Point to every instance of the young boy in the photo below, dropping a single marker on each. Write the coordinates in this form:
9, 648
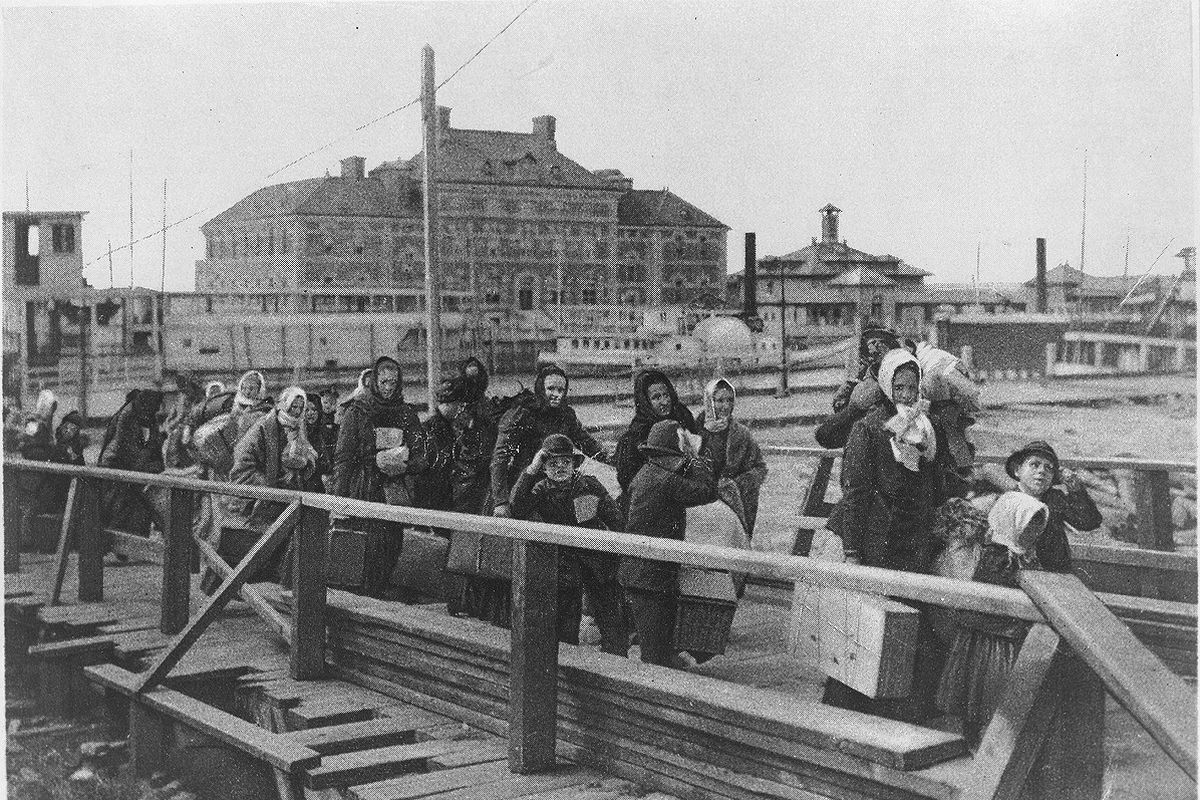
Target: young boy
1035, 469
553, 488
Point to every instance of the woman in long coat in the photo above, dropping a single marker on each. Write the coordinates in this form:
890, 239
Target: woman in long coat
654, 399
522, 430
731, 449
891, 484
132, 441
379, 453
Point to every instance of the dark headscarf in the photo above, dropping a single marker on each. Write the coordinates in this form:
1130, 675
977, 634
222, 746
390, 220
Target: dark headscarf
314, 430
644, 416
144, 402
539, 386
372, 399
476, 387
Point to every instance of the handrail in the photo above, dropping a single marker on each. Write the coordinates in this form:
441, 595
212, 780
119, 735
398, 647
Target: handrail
925, 588
1137, 464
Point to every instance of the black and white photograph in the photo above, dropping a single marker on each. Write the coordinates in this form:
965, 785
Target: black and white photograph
600, 400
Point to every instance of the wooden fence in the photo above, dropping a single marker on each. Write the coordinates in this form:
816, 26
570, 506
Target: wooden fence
1054, 701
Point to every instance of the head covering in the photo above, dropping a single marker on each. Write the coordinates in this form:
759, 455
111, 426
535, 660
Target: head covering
873, 329
284, 403
373, 382
539, 384
556, 444
213, 388
243, 398
913, 437
644, 416
454, 390
146, 404
662, 444
364, 379
710, 390
1034, 448
72, 417
1016, 520
314, 401
47, 404
476, 387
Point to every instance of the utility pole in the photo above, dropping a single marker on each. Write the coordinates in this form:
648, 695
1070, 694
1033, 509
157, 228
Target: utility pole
433, 303
131, 218
978, 249
111, 280
84, 311
560, 256
783, 391
159, 357
1083, 226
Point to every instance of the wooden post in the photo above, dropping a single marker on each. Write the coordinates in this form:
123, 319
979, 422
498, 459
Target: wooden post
1153, 501
149, 740
433, 303
1071, 765
70, 514
177, 558
533, 666
12, 523
308, 595
91, 545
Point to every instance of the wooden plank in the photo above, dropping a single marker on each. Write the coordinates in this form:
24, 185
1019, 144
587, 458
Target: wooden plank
812, 504
534, 658
234, 731
176, 567
149, 739
74, 501
308, 622
188, 636
134, 548
480, 753
307, 715
1134, 557
1014, 736
374, 733
418, 786
515, 786
91, 546
1156, 697
67, 647
1152, 499
255, 600
366, 766
12, 522
1071, 765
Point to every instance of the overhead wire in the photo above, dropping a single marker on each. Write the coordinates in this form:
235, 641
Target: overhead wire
160, 231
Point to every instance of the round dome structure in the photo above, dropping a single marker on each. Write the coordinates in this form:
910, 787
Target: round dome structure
726, 337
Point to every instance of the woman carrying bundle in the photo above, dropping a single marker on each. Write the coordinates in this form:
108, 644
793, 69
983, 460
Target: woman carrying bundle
654, 400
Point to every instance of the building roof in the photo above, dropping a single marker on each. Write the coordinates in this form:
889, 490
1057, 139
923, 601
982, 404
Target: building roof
1062, 275
269, 201
833, 258
506, 158
30, 214
862, 276
660, 207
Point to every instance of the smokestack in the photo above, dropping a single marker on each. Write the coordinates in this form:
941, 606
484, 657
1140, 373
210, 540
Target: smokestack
354, 167
750, 282
1040, 278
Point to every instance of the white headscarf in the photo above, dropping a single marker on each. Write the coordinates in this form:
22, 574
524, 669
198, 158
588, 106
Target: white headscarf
913, 439
1016, 521
243, 400
47, 404
284, 404
213, 388
710, 391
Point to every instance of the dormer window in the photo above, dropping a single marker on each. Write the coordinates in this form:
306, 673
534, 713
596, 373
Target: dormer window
488, 169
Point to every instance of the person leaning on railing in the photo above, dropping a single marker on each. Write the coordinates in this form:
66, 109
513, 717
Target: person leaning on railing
134, 442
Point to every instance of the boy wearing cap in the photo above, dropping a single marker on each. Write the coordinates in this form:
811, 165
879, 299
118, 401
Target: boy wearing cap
1035, 469
553, 488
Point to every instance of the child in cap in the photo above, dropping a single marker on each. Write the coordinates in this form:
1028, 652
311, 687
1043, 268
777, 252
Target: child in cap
553, 488
1035, 469
985, 646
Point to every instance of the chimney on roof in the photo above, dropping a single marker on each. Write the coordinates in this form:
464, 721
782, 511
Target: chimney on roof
615, 178
1188, 254
354, 167
1042, 301
750, 278
829, 223
543, 127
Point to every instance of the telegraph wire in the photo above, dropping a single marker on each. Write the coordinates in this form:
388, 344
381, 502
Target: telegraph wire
327, 145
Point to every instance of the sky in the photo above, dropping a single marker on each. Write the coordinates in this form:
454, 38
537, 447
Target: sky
941, 129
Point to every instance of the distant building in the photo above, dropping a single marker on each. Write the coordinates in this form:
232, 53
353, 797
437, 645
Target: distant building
43, 260
517, 217
824, 288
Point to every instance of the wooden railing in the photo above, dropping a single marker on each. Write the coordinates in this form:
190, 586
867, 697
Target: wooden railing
1128, 671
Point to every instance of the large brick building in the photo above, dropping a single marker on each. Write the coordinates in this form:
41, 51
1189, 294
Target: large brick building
516, 217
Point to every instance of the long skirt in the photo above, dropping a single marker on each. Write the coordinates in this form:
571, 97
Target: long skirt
973, 682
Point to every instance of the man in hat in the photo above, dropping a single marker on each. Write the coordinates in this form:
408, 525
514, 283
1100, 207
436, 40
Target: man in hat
1035, 469
553, 488
859, 395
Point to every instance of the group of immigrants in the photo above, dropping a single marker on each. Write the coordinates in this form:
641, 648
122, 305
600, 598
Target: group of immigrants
905, 482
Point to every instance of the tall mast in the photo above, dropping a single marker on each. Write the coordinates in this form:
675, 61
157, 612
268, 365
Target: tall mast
1083, 228
131, 218
433, 304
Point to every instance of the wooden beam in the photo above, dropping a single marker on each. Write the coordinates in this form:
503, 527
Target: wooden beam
533, 672
1152, 497
90, 538
1015, 734
177, 556
12, 522
1161, 701
74, 498
813, 505
260, 606
258, 554
1071, 765
309, 595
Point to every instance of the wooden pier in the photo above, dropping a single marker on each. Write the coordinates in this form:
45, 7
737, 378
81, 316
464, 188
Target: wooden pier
321, 689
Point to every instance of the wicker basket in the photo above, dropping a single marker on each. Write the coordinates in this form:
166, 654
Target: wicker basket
702, 624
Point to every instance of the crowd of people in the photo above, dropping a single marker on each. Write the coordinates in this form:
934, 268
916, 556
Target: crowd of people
903, 422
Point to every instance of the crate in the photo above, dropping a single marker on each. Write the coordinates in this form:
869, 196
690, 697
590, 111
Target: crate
702, 624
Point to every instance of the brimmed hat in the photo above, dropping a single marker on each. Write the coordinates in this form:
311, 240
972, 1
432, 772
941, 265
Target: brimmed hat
452, 390
72, 417
1038, 448
556, 444
663, 439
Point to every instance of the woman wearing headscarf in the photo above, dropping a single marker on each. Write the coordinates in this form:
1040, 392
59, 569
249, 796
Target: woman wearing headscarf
459, 441
475, 378
729, 446
654, 400
315, 429
856, 397
380, 451
891, 485
521, 432
36, 442
132, 441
